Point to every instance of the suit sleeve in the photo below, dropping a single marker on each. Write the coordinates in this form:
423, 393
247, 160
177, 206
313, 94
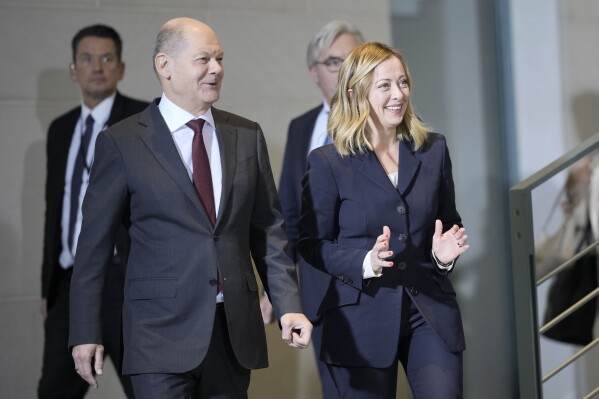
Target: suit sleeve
447, 211
268, 241
290, 202
102, 210
49, 235
319, 224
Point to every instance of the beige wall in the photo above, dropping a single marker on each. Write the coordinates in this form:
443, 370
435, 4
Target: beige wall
266, 80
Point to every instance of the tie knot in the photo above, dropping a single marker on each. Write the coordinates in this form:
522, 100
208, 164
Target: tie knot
196, 125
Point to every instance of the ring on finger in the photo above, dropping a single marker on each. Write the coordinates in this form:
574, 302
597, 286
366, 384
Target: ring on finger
378, 255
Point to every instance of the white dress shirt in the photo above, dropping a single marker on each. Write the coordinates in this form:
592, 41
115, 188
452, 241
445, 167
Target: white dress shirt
176, 119
319, 134
100, 113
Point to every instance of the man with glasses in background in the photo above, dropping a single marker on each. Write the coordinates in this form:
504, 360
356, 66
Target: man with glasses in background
97, 68
326, 52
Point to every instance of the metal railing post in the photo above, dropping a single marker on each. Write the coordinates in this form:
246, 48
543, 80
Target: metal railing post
525, 294
523, 268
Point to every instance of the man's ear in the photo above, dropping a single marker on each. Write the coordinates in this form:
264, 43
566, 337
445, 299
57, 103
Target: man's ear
162, 64
121, 70
72, 72
314, 75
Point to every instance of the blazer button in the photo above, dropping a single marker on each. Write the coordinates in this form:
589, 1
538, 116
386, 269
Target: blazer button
401, 209
213, 282
402, 237
216, 238
402, 265
413, 290
349, 280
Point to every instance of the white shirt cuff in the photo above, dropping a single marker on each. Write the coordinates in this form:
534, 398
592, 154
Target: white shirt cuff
367, 271
443, 266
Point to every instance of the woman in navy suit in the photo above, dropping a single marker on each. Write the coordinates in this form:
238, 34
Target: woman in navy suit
379, 216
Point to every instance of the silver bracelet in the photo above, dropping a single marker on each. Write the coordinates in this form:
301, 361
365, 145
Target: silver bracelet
440, 264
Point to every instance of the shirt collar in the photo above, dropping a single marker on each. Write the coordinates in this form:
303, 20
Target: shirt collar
176, 117
101, 112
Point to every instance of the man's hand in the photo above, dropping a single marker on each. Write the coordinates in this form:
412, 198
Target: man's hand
84, 355
297, 330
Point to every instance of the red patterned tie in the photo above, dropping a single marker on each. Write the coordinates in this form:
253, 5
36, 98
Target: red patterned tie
202, 179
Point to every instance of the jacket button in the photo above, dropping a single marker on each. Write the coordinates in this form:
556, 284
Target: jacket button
401, 209
213, 282
402, 237
349, 280
413, 290
216, 238
402, 265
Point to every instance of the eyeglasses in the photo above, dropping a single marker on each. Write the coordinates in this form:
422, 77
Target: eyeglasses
87, 60
332, 64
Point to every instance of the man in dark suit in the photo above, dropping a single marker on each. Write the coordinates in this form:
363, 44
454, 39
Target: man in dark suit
97, 68
326, 51
194, 184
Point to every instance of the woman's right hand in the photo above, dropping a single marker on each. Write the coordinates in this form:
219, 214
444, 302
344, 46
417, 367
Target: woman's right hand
380, 252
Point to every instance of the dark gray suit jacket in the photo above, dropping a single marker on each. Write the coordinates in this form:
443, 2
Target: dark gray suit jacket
175, 251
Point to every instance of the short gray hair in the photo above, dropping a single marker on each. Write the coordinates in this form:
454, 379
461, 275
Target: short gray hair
171, 40
327, 35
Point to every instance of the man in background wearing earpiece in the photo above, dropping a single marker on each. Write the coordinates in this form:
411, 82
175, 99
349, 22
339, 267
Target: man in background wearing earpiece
97, 68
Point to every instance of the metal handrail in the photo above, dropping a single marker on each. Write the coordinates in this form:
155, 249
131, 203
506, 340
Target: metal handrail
523, 268
570, 310
591, 394
567, 263
571, 359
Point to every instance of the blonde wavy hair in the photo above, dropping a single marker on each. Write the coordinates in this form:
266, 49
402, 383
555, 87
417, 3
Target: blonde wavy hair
350, 107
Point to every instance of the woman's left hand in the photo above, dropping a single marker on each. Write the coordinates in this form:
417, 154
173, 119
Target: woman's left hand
451, 244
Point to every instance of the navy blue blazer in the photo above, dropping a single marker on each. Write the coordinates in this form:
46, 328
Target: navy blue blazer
294, 166
346, 201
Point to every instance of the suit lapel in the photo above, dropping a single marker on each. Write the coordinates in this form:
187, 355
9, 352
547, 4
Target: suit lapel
408, 167
306, 136
227, 142
117, 110
61, 148
372, 169
160, 142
